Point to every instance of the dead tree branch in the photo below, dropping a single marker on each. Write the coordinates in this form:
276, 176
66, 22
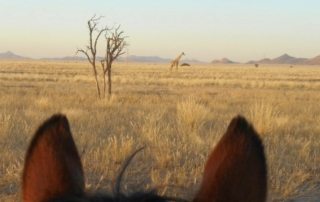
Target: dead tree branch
115, 45
91, 50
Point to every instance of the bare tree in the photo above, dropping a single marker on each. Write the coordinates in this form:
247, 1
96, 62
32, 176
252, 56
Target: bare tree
114, 48
91, 50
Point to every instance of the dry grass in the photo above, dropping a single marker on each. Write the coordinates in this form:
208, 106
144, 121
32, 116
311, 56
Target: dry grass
191, 116
179, 116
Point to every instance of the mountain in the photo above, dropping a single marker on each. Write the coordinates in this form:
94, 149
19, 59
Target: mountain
155, 59
11, 56
67, 58
287, 59
131, 58
135, 58
314, 61
283, 59
223, 61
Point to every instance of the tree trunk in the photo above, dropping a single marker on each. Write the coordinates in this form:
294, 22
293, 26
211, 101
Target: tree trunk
104, 85
97, 82
109, 81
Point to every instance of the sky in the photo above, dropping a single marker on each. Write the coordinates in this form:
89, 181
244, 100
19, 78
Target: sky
240, 30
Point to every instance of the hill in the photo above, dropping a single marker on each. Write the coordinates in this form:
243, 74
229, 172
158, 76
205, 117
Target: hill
283, 59
287, 59
223, 61
11, 56
135, 58
314, 61
131, 58
67, 58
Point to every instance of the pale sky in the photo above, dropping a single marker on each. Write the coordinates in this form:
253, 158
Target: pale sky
204, 29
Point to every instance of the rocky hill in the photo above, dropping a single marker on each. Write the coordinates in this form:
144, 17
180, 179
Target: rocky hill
223, 61
11, 56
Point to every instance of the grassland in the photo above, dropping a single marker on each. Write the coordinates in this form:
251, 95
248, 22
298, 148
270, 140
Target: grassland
178, 115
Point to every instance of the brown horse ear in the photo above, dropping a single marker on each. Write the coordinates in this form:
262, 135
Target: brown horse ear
52, 165
236, 169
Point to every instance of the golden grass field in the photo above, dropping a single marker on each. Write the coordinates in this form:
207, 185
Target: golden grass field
178, 115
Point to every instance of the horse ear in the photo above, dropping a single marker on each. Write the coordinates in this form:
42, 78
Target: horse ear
236, 169
52, 165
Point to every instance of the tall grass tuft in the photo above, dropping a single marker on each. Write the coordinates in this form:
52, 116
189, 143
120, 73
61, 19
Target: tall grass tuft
263, 115
192, 113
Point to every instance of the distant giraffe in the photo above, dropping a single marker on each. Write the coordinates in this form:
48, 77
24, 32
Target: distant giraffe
176, 61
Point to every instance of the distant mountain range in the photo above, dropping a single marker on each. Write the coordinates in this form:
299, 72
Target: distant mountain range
67, 58
131, 58
11, 56
223, 61
314, 61
283, 59
155, 59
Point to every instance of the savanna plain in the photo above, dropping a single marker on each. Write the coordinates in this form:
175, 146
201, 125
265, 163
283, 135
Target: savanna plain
179, 116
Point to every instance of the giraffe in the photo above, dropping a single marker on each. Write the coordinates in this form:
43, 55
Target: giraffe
176, 61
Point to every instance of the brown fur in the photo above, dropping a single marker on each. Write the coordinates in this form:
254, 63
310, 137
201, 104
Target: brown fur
235, 171
53, 167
